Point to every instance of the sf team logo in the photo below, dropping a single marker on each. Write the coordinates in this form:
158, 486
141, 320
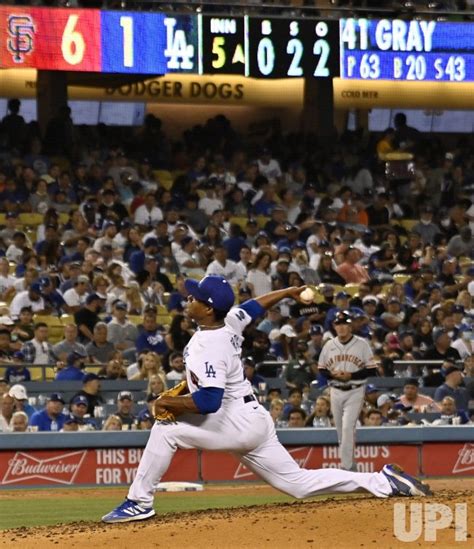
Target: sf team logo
21, 31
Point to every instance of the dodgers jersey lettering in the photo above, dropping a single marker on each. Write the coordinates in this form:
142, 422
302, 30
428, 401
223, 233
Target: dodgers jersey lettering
350, 357
212, 358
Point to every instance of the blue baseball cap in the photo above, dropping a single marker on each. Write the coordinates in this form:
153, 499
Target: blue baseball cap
316, 329
213, 290
80, 399
145, 415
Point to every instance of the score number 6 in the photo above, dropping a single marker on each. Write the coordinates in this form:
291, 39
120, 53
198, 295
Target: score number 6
72, 43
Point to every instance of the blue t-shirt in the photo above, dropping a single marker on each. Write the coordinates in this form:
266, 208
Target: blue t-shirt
153, 341
45, 423
70, 373
17, 375
176, 301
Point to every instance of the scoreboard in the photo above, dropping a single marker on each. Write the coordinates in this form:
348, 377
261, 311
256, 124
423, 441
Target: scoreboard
157, 43
411, 50
260, 47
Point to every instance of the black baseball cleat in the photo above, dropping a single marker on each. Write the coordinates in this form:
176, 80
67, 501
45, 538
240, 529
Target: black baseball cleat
403, 484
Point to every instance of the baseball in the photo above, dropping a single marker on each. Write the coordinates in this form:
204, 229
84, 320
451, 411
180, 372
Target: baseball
307, 296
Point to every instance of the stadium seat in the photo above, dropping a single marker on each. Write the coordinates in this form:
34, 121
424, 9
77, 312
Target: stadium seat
352, 289
401, 278
135, 319
30, 219
240, 221
262, 220
408, 224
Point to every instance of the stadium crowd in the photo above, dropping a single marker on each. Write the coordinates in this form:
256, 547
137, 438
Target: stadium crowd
101, 226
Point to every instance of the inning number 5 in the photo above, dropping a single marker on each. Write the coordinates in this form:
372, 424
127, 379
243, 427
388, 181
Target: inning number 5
210, 372
72, 43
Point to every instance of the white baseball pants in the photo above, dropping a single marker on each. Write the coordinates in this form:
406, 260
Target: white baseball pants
247, 431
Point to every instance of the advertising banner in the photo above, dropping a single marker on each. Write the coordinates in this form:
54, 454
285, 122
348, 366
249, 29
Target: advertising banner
106, 466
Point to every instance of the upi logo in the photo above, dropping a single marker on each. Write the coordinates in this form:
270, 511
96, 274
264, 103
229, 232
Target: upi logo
413, 520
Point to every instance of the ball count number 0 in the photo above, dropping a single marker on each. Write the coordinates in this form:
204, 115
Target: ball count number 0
294, 48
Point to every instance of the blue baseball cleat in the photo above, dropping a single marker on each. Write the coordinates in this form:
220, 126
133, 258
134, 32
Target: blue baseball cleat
404, 484
128, 511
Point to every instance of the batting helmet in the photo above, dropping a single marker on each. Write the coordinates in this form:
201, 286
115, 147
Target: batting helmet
343, 317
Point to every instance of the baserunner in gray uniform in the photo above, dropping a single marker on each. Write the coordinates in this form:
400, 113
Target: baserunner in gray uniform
346, 361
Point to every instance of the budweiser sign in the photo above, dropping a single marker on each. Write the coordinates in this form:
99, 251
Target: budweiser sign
61, 469
465, 461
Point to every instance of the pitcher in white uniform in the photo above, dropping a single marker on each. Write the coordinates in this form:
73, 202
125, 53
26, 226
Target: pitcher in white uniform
221, 413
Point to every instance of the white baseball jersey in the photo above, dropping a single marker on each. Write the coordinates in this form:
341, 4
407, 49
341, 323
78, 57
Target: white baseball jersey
351, 357
212, 357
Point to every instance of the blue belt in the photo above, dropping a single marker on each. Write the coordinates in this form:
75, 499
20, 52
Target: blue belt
249, 398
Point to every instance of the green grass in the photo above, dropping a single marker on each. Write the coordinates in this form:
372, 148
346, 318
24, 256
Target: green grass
47, 511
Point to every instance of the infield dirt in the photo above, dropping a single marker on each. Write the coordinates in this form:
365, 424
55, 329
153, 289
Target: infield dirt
355, 522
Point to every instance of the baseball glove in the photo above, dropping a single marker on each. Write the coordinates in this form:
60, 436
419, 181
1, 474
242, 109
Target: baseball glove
161, 414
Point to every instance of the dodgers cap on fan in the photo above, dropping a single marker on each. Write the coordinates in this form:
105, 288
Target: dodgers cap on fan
80, 399
213, 290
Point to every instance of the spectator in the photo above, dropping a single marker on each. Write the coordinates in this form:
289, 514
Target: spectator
7, 407
299, 369
151, 335
28, 298
462, 244
71, 424
176, 363
73, 370
120, 331
386, 404
449, 414
321, 416
258, 277
17, 372
69, 344
156, 385
148, 365
145, 420
296, 418
224, 267
418, 403
112, 423
87, 317
20, 400
39, 350
178, 298
276, 412
78, 408
76, 296
350, 270
90, 390
19, 422
426, 228
99, 350
442, 349
179, 334
125, 405
114, 368
373, 418
24, 326
148, 214
295, 400
51, 417
250, 373
464, 344
452, 387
